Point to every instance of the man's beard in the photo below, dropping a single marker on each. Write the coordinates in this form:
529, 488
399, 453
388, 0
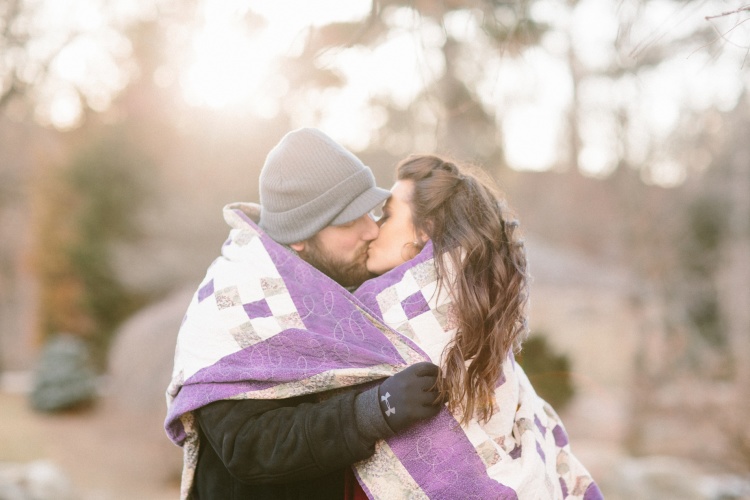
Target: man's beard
347, 274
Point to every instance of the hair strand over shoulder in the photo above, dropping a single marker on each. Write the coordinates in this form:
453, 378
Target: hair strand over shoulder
481, 260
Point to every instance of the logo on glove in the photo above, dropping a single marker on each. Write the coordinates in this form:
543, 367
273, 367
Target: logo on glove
390, 410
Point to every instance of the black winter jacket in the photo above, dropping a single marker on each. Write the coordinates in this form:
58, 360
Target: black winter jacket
297, 448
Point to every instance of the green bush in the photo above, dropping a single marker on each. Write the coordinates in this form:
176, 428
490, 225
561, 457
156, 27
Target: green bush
548, 371
63, 378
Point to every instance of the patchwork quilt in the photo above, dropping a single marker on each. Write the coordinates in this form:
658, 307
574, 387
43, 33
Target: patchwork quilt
264, 324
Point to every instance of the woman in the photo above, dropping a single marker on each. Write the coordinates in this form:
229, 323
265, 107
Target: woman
466, 222
452, 279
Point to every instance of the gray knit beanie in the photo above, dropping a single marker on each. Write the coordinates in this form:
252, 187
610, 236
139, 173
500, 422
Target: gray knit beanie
309, 182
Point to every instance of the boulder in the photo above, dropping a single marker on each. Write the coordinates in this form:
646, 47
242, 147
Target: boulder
140, 368
38, 480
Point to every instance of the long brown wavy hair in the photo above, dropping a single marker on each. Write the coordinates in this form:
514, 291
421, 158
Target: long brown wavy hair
469, 222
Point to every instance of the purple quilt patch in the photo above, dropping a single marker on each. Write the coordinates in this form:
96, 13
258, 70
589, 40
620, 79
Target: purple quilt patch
414, 305
206, 290
593, 493
541, 452
561, 438
501, 380
563, 487
539, 425
259, 309
442, 461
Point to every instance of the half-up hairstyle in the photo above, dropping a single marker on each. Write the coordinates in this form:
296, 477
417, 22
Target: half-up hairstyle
473, 232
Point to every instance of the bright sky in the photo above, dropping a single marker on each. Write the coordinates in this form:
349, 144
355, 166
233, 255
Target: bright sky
94, 62
229, 68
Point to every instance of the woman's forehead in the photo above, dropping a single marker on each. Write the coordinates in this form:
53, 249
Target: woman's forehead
401, 191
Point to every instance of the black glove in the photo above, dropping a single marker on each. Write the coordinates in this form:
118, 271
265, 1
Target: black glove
409, 396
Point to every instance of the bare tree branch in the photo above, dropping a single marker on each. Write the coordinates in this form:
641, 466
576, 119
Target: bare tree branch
372, 18
729, 13
723, 36
12, 11
9, 93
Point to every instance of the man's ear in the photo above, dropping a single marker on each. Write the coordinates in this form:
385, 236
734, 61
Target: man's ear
297, 247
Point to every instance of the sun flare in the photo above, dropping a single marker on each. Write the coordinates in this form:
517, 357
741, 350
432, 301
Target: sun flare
228, 65
233, 65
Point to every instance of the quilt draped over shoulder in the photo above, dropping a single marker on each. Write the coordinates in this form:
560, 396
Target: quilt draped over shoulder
263, 324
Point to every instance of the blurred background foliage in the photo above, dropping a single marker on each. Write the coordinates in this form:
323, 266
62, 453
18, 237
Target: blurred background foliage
548, 371
618, 129
85, 210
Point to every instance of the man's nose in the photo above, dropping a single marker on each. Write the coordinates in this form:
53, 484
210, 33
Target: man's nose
370, 228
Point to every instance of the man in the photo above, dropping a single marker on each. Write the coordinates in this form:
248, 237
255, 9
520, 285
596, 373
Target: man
316, 199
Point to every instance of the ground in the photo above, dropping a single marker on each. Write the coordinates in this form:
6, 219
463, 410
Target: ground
96, 448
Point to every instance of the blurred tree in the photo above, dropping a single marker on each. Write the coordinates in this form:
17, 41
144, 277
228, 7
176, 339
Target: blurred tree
696, 249
692, 243
706, 234
61, 60
728, 181
608, 120
82, 212
12, 41
448, 114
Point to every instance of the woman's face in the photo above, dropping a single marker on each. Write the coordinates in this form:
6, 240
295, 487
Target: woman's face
395, 242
